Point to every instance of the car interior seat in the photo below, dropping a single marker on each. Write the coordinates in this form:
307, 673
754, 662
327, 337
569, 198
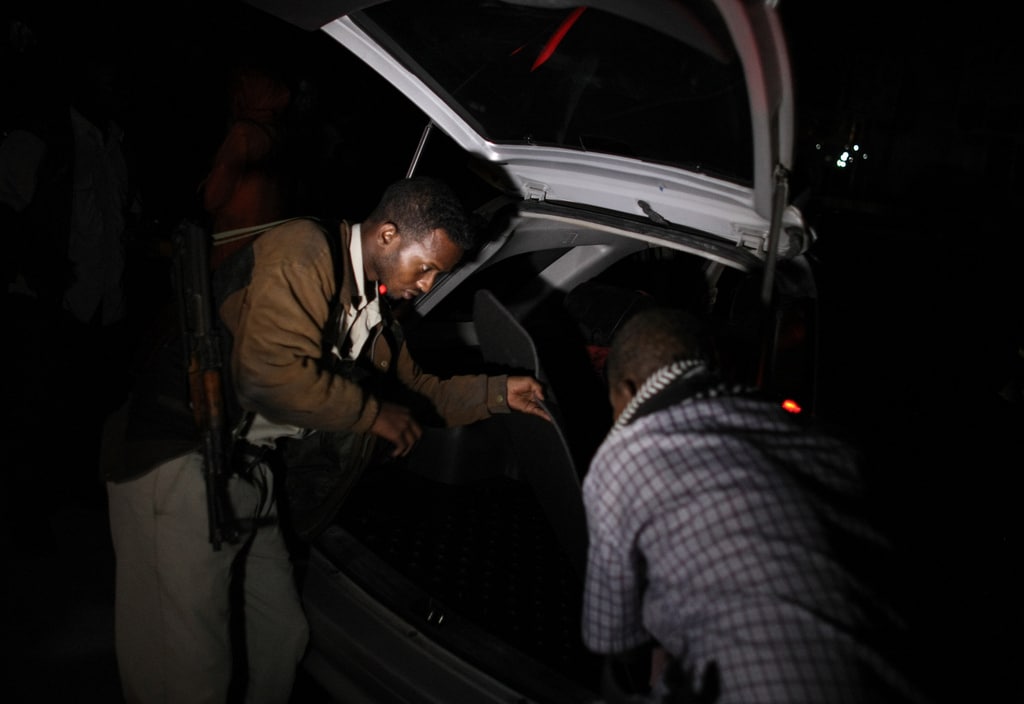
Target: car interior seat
544, 458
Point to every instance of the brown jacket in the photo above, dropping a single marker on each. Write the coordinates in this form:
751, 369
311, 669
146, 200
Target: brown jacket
277, 322
276, 319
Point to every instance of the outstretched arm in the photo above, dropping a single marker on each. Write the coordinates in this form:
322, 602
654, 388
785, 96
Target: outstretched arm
525, 394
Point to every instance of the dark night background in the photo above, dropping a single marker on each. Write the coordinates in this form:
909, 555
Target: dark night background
919, 250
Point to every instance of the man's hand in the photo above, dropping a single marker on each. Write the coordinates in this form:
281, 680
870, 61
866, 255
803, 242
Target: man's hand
525, 394
396, 424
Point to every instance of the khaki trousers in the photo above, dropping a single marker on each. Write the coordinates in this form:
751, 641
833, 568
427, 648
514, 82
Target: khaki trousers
173, 599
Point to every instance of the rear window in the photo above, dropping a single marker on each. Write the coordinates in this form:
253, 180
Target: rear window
582, 79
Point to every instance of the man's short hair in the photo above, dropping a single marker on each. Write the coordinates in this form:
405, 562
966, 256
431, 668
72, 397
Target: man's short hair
421, 204
653, 338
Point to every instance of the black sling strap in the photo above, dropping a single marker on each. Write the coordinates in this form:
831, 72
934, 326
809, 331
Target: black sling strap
332, 327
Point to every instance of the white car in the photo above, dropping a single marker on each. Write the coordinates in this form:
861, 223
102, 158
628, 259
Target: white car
617, 153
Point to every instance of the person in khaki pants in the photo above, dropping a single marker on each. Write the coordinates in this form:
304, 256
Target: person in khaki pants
315, 350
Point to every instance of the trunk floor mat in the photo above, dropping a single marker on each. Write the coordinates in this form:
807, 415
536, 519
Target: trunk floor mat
483, 549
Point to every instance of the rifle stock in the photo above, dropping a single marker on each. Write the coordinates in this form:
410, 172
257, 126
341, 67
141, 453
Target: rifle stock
205, 379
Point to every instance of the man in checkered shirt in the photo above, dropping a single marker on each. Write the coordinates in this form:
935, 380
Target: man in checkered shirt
729, 539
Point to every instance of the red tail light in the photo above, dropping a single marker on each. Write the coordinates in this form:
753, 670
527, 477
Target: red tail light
792, 406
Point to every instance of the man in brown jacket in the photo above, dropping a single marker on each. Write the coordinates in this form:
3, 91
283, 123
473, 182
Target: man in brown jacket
304, 362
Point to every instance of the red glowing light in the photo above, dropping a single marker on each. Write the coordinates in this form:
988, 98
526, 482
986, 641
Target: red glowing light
557, 38
792, 406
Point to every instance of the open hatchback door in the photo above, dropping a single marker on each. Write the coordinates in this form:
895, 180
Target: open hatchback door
616, 153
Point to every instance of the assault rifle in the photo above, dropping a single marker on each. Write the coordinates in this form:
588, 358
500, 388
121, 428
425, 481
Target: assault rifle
204, 359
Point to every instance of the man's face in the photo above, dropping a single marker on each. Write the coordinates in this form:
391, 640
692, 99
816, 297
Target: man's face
409, 267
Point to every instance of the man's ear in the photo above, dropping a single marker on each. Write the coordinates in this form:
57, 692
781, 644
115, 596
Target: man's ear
387, 233
629, 387
620, 394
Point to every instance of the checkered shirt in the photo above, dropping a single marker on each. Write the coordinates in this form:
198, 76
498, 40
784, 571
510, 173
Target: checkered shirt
723, 529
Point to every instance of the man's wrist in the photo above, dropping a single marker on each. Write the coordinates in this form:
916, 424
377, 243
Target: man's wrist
497, 394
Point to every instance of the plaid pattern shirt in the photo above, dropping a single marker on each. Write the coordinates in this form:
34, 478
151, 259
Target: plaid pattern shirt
729, 533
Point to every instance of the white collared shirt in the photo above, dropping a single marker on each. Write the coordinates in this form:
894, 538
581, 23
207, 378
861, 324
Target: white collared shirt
364, 315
